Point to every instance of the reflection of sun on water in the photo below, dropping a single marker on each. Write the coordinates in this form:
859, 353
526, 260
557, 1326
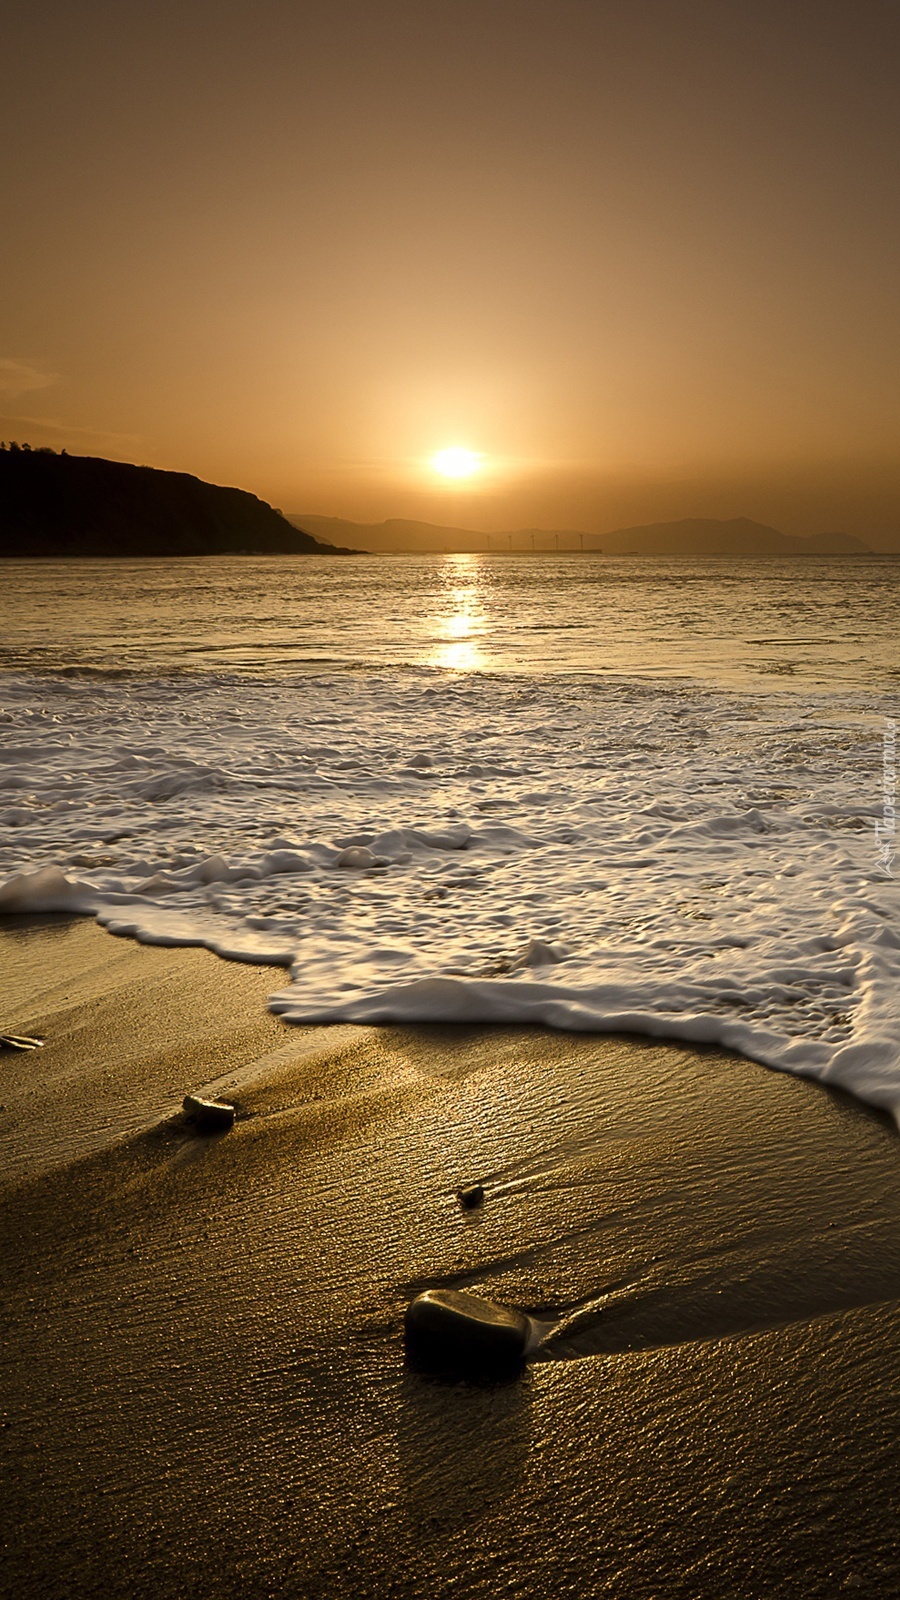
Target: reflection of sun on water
462, 657
463, 619
460, 626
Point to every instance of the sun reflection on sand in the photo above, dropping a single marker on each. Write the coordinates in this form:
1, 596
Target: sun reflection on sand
461, 618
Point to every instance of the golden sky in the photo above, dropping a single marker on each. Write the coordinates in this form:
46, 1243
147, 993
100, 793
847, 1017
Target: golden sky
640, 258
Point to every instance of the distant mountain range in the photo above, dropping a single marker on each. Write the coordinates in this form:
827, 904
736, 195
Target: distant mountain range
61, 505
693, 536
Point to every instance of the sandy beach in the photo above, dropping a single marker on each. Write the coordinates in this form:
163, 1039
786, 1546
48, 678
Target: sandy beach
449, 878
204, 1389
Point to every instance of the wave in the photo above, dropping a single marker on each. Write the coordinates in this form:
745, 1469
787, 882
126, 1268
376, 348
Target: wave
580, 853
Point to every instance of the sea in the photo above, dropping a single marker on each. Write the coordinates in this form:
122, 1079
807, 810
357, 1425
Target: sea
641, 795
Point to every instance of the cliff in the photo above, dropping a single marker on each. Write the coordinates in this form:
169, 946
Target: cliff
61, 505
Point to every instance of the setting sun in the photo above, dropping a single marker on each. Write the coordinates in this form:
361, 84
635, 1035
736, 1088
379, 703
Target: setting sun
456, 462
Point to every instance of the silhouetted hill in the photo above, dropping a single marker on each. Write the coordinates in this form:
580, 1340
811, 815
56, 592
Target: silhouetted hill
61, 505
695, 536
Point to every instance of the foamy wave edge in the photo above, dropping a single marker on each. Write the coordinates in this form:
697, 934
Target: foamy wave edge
867, 1068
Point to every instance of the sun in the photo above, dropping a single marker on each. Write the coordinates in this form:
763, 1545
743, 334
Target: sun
456, 462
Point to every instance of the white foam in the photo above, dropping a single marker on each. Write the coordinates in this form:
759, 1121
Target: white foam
585, 854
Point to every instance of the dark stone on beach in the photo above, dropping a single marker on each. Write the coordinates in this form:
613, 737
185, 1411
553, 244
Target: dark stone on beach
450, 1330
208, 1116
471, 1196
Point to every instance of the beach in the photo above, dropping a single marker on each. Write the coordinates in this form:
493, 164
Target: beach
205, 1390
449, 907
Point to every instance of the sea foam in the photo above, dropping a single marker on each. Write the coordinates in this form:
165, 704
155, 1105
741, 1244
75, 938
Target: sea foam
586, 854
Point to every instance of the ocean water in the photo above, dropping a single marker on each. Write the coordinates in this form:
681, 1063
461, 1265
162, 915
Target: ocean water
593, 794
829, 622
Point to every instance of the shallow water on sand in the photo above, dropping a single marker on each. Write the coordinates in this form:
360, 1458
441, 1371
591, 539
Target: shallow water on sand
205, 1386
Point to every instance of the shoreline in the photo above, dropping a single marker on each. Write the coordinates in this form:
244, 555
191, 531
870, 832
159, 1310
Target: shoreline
204, 1382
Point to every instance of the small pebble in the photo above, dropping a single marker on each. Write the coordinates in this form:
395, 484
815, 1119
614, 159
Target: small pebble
208, 1116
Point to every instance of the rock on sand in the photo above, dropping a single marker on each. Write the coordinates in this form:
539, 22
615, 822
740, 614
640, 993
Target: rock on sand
451, 1329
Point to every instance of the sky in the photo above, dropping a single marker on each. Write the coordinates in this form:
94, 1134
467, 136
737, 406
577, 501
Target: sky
641, 259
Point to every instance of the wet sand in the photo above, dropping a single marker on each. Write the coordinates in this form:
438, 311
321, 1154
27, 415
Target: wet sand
203, 1386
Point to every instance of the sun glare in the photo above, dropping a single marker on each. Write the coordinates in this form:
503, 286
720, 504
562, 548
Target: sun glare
456, 462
